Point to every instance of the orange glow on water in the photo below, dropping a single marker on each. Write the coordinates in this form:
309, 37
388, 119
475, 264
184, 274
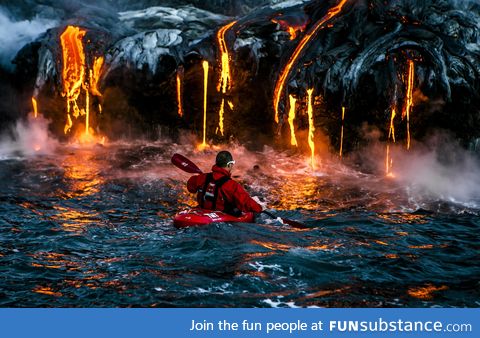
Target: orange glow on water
277, 94
205, 91
409, 98
179, 95
425, 292
35, 107
291, 117
311, 127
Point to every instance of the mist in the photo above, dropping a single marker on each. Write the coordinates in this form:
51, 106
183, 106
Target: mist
16, 34
28, 138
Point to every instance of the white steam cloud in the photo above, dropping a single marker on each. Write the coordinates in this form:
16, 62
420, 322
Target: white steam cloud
16, 34
28, 138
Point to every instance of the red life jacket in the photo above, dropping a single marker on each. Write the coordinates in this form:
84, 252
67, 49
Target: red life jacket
210, 193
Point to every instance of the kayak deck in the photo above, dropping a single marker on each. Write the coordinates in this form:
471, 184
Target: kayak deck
199, 217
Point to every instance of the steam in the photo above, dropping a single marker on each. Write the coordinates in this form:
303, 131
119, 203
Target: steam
445, 171
28, 139
16, 34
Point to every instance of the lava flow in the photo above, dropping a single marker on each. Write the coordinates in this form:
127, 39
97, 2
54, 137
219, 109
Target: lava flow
391, 136
225, 81
311, 127
75, 78
298, 50
341, 133
73, 69
205, 91
35, 107
179, 91
291, 117
409, 98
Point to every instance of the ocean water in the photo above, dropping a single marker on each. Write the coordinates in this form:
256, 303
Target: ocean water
92, 227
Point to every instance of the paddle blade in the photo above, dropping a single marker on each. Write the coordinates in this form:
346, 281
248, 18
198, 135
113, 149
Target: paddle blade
183, 163
290, 222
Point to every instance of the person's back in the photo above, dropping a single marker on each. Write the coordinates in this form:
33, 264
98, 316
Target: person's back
218, 191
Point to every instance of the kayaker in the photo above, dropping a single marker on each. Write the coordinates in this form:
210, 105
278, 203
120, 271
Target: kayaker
218, 191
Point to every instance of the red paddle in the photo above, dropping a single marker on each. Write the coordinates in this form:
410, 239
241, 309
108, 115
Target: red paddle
183, 163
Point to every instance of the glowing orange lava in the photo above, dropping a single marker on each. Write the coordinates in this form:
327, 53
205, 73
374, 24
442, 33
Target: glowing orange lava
311, 127
225, 81
35, 107
341, 133
77, 77
298, 50
205, 90
291, 117
391, 136
95, 76
179, 95
409, 99
73, 73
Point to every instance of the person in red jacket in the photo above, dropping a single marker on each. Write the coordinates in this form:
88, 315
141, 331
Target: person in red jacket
218, 191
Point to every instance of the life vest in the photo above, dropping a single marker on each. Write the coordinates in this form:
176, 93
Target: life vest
208, 195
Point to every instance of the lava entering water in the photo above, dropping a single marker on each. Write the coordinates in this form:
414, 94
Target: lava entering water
298, 50
291, 117
74, 76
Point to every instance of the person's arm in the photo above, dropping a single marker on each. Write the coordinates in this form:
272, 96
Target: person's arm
192, 183
242, 199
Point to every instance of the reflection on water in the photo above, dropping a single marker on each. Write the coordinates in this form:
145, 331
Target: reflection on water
92, 227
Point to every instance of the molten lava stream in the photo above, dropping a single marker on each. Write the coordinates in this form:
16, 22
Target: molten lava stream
291, 117
73, 74
341, 133
225, 81
311, 127
179, 95
35, 107
205, 91
391, 136
409, 98
298, 50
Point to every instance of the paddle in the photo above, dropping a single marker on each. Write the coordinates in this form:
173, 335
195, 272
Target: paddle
183, 163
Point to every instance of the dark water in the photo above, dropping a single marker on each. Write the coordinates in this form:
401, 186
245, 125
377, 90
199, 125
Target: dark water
92, 228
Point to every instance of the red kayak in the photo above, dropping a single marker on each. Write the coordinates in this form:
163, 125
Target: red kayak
198, 217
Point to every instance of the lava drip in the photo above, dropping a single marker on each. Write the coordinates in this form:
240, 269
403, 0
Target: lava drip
205, 91
291, 117
179, 91
225, 81
391, 137
311, 127
340, 152
35, 107
409, 98
332, 12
